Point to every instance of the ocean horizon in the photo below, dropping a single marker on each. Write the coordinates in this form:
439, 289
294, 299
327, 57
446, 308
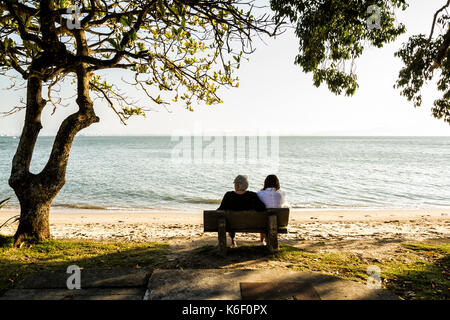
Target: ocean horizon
316, 172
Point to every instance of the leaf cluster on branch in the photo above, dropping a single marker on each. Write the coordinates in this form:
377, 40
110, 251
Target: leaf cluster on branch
175, 50
334, 33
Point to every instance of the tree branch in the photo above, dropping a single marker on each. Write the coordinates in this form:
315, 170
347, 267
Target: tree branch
434, 19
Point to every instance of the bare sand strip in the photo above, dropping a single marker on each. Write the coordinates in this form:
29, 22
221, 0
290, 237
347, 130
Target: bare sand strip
304, 225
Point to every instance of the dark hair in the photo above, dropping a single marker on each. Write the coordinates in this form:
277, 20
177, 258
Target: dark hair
272, 182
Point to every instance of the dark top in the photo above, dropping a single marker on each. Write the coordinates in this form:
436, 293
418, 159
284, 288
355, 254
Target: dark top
237, 202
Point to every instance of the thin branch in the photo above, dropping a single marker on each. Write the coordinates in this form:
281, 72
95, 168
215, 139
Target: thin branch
12, 111
434, 20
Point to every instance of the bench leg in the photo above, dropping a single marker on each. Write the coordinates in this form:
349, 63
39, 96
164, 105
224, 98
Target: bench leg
272, 234
222, 236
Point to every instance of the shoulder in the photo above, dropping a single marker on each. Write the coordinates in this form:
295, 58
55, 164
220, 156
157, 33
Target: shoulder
228, 194
262, 194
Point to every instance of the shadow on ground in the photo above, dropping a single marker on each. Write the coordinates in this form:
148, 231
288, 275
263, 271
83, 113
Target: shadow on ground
55, 255
420, 280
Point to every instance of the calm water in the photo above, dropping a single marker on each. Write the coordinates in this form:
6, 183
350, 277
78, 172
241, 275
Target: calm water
315, 172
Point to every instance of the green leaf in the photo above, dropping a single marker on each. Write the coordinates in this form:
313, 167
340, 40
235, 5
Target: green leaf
113, 43
124, 21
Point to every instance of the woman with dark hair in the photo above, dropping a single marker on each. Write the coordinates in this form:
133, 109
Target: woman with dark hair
271, 195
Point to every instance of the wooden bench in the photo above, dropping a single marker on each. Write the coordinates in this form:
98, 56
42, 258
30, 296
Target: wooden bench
271, 222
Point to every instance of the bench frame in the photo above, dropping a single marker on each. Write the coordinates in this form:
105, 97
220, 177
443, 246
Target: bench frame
270, 222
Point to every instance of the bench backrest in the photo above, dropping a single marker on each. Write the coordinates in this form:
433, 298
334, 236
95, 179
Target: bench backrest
245, 221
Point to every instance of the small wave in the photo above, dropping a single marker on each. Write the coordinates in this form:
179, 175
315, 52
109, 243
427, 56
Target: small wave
325, 206
79, 206
194, 200
203, 200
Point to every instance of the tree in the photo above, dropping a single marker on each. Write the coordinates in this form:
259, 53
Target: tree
334, 33
179, 50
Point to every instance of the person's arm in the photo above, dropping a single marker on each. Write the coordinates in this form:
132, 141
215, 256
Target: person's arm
225, 202
258, 204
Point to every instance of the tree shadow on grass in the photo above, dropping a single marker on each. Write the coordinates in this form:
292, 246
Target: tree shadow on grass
427, 279
56, 255
207, 256
6, 241
419, 278
18, 263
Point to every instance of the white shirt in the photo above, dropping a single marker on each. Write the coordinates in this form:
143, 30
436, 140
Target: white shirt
272, 198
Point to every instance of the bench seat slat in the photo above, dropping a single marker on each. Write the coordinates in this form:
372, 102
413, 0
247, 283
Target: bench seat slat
245, 221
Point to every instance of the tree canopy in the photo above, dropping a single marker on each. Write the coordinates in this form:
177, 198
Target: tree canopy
186, 49
334, 33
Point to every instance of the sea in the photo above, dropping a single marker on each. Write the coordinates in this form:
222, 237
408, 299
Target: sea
192, 173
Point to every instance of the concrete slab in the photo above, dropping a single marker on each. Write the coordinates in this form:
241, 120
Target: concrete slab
90, 278
198, 284
97, 284
278, 291
82, 294
223, 284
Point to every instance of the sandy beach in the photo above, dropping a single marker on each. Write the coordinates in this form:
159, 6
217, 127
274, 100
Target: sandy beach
371, 235
303, 225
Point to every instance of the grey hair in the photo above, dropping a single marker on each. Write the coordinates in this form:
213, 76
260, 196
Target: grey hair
241, 183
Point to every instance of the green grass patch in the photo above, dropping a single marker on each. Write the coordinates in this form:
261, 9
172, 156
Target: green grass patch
343, 264
415, 271
425, 276
18, 263
6, 241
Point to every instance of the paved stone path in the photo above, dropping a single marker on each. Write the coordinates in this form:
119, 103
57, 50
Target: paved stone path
108, 284
194, 284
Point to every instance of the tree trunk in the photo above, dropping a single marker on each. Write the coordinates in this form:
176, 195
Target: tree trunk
33, 210
36, 192
34, 221
35, 199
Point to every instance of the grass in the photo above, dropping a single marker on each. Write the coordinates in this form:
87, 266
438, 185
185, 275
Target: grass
342, 264
426, 275
18, 263
417, 271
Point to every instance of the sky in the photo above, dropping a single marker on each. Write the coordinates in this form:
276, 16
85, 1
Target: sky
276, 97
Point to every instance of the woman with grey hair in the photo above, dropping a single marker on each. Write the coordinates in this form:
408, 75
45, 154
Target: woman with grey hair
241, 199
